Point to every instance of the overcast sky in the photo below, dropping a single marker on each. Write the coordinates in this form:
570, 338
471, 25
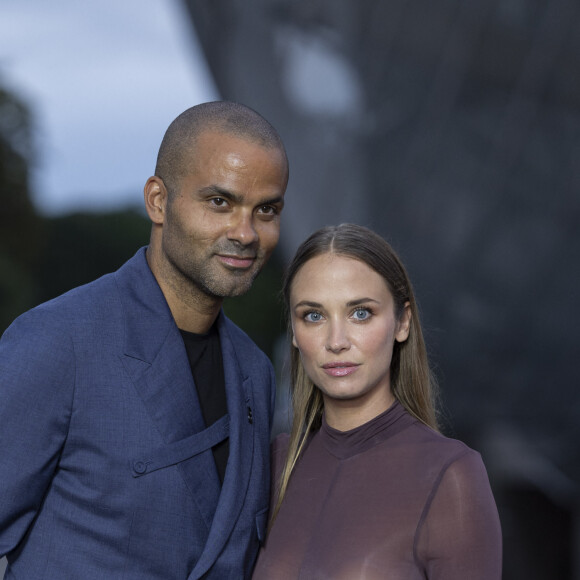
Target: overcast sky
103, 80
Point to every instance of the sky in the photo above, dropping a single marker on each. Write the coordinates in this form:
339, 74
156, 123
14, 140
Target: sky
103, 81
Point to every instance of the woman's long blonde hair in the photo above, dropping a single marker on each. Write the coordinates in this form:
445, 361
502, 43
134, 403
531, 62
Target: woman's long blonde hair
412, 383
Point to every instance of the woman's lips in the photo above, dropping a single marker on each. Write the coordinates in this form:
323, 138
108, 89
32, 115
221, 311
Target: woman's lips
340, 369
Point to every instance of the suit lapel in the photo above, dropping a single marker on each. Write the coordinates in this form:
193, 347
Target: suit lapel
167, 391
157, 363
240, 405
155, 359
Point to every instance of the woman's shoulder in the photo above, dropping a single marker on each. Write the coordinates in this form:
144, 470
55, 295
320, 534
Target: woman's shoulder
437, 446
451, 461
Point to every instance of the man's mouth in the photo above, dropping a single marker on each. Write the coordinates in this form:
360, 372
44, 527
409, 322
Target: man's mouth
233, 261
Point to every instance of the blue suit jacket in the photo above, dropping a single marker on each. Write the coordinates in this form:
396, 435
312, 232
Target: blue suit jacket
105, 466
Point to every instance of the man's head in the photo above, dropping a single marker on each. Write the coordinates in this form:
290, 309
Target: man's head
215, 201
177, 150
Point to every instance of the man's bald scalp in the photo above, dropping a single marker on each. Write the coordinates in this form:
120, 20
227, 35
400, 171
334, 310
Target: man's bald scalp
221, 116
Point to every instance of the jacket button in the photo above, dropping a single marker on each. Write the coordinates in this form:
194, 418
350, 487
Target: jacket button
140, 466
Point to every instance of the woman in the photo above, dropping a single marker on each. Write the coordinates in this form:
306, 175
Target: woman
365, 485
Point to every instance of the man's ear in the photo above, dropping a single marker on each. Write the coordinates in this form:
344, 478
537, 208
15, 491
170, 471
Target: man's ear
155, 194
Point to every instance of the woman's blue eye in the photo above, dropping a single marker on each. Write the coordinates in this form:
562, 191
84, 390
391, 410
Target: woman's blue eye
361, 314
313, 317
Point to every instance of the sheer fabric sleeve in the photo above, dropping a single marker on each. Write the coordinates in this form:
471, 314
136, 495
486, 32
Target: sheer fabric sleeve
459, 537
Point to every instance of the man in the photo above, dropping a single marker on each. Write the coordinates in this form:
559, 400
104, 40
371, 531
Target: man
134, 416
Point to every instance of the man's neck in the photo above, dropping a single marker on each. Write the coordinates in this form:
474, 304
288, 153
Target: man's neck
192, 310
198, 323
189, 312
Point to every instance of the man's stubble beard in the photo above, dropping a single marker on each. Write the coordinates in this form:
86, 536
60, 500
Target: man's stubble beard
215, 284
201, 272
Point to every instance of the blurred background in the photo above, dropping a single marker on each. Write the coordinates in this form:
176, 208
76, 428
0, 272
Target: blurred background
452, 128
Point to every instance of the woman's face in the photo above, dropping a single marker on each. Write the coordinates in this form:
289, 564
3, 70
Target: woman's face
344, 325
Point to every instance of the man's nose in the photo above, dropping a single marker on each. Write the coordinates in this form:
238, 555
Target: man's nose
242, 230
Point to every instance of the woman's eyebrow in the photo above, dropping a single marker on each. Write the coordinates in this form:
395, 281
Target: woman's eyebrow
308, 303
350, 303
360, 301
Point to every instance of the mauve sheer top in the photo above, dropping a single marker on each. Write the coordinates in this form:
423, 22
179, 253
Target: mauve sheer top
390, 499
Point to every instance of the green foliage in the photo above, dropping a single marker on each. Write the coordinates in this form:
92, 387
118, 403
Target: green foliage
20, 229
41, 258
83, 246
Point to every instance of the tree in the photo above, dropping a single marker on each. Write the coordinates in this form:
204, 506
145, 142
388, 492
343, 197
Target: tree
20, 227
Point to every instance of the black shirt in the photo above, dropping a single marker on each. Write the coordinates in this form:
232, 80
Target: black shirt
205, 359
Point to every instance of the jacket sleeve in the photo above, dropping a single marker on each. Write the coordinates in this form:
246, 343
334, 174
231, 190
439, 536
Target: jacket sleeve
461, 536
272, 395
36, 388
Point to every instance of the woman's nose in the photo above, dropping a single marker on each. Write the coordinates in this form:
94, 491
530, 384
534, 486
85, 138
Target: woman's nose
337, 339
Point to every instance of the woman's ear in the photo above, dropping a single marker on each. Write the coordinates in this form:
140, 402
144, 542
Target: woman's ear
155, 194
294, 343
404, 324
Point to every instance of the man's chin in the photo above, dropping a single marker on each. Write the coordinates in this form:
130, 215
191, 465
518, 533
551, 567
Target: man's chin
235, 286
239, 289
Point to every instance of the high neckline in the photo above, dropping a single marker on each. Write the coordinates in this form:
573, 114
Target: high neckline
345, 444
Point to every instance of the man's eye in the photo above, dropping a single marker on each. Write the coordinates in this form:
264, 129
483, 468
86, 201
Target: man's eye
268, 210
218, 201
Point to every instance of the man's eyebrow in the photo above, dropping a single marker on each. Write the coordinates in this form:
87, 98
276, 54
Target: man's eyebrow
217, 190
279, 199
226, 194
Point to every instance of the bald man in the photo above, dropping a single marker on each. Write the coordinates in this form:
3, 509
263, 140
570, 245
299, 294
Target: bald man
134, 416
